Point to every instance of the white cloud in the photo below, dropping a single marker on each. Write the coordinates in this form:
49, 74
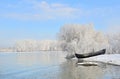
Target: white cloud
57, 5
34, 10
42, 10
56, 10
27, 16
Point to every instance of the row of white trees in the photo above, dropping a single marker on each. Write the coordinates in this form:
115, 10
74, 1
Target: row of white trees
36, 45
74, 38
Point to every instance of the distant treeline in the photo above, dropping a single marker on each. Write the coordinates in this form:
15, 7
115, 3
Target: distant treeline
72, 38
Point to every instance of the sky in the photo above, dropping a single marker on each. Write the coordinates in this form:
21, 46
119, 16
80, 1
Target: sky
42, 19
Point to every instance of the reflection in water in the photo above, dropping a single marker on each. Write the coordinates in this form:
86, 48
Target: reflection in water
43, 58
112, 72
70, 70
25, 60
51, 65
32, 59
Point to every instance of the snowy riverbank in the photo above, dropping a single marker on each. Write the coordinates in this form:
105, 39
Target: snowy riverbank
108, 58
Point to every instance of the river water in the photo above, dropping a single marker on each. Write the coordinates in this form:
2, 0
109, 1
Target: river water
51, 65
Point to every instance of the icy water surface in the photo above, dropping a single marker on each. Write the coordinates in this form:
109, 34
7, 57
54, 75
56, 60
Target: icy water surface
51, 65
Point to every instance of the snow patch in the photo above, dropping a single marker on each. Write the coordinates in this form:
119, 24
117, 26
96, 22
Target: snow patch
110, 59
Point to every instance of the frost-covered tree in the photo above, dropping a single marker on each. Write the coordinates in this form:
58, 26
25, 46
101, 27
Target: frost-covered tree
36, 45
114, 43
81, 38
25, 45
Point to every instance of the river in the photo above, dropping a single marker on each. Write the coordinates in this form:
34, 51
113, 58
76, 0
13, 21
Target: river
51, 65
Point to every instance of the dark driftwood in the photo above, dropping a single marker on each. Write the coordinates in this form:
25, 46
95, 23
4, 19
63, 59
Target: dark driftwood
90, 54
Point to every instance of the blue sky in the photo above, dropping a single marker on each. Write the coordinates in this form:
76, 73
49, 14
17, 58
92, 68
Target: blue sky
42, 19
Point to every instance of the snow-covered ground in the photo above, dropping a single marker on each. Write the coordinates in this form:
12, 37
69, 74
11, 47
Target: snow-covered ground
108, 58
